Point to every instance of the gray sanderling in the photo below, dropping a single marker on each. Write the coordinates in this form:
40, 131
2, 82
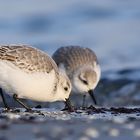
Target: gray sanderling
29, 73
81, 66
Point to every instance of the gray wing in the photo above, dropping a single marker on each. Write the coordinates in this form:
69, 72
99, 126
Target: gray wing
27, 58
74, 56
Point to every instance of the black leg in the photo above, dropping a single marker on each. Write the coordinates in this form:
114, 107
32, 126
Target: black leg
4, 101
21, 103
84, 101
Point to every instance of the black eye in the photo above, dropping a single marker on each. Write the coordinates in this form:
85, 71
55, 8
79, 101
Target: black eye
65, 88
85, 82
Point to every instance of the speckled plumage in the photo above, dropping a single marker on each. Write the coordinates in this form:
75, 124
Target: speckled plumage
81, 66
31, 74
27, 58
74, 56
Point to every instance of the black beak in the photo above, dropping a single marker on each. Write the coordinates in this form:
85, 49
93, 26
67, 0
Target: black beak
68, 104
92, 96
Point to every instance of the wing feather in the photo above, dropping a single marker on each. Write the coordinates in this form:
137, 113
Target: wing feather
27, 58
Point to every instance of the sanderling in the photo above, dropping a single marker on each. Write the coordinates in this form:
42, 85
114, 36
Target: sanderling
29, 73
81, 66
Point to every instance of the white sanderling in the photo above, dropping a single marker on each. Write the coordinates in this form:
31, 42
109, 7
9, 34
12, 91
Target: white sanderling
29, 73
81, 66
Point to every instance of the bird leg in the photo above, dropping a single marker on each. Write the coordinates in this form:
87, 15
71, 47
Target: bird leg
84, 101
21, 103
4, 101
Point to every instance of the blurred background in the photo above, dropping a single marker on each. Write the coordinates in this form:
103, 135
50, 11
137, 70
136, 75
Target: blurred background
111, 28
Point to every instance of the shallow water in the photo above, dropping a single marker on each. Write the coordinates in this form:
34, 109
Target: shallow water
110, 28
63, 125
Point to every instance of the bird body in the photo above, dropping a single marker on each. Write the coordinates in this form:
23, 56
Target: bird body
31, 74
81, 66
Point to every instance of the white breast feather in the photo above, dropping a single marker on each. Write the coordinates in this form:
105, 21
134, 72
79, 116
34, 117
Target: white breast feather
36, 86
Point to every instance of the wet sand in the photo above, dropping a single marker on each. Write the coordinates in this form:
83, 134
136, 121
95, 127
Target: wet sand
98, 123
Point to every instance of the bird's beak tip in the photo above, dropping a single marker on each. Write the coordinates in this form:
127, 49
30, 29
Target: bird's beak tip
92, 96
68, 104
